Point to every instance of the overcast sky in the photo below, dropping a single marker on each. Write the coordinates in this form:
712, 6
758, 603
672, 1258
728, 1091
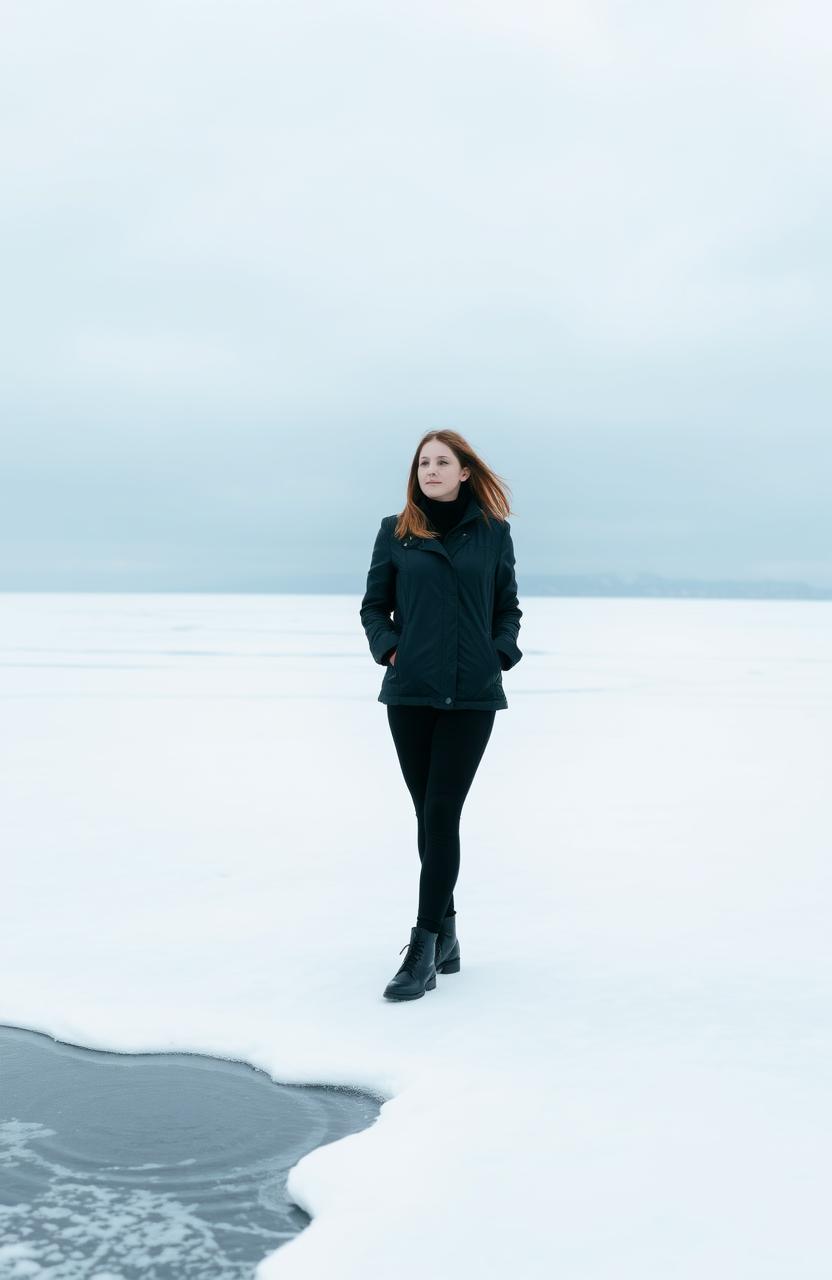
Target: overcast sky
251, 251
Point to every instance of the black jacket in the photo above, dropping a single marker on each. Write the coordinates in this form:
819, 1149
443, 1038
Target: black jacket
455, 614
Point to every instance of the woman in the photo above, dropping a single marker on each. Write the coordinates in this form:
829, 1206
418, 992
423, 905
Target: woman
444, 569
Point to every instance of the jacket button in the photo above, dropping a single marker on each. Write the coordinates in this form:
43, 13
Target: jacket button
448, 699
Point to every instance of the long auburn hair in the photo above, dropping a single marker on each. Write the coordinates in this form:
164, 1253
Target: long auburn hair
489, 489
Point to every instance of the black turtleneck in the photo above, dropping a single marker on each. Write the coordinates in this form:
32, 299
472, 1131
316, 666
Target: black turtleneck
443, 516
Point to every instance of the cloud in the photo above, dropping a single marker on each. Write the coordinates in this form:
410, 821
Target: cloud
258, 224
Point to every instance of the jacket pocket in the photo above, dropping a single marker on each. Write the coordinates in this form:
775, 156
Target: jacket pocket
399, 648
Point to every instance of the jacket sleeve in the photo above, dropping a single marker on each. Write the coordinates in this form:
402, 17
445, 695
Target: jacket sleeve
507, 613
380, 598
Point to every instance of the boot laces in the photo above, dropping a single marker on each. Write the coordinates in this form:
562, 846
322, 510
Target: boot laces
414, 955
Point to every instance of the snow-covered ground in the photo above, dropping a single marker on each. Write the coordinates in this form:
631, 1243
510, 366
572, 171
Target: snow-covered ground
208, 845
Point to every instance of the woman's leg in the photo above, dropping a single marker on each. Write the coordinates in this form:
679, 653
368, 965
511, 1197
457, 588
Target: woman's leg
412, 730
457, 745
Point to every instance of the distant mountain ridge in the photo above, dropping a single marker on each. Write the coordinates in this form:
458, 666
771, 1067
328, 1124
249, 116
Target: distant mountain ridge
653, 584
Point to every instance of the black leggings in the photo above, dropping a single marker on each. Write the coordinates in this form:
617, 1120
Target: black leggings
439, 752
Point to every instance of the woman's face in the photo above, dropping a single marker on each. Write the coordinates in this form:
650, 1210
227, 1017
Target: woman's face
440, 474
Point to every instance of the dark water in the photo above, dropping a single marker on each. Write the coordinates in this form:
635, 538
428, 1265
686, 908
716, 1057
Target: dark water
151, 1165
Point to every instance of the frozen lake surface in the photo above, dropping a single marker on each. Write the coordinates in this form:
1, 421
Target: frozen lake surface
163, 1165
208, 847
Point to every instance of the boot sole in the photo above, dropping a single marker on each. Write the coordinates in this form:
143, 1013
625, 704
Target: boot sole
450, 966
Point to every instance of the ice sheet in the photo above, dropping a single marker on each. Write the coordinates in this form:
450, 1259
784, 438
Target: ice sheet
208, 845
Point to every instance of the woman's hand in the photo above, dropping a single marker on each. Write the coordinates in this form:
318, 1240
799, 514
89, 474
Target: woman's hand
393, 657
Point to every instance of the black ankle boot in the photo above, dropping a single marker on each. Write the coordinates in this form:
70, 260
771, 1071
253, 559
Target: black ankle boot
418, 970
447, 947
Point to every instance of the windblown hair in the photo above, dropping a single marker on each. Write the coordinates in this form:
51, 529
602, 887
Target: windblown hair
489, 489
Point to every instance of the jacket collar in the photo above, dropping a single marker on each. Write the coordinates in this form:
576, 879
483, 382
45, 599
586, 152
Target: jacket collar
472, 512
